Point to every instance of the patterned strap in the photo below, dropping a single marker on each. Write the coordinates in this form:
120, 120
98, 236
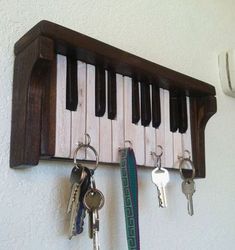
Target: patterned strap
130, 197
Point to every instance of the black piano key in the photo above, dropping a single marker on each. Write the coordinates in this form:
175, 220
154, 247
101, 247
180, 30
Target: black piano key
71, 84
145, 104
100, 95
112, 95
174, 115
135, 102
156, 106
183, 117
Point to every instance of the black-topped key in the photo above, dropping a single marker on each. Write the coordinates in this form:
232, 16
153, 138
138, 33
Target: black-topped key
183, 118
145, 104
112, 95
135, 102
100, 95
156, 106
71, 84
174, 116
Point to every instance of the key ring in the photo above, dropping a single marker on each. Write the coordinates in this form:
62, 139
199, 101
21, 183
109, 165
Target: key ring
182, 161
86, 145
158, 162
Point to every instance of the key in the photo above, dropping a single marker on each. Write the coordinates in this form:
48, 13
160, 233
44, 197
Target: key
160, 178
94, 201
183, 119
77, 177
135, 102
174, 116
156, 106
71, 84
188, 188
81, 212
112, 95
100, 92
145, 104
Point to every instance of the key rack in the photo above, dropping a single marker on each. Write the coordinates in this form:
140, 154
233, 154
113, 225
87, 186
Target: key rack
33, 133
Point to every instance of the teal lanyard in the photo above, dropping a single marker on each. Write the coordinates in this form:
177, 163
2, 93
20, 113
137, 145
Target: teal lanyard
130, 197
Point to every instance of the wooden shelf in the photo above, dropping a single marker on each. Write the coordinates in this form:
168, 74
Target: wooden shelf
34, 89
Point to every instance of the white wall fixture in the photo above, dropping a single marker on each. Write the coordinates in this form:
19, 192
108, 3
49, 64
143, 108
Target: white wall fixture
226, 61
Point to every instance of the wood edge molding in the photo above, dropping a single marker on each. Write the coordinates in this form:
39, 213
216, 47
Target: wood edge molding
96, 52
31, 74
202, 108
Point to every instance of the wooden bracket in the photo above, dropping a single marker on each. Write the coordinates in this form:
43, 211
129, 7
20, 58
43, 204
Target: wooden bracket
32, 80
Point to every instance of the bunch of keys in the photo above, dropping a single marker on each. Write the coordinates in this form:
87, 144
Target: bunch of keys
84, 197
160, 177
188, 184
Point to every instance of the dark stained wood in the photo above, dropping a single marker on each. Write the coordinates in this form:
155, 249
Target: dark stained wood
95, 52
201, 108
31, 75
34, 90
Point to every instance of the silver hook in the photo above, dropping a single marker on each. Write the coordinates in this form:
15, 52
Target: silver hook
86, 145
186, 155
88, 139
158, 162
182, 161
130, 143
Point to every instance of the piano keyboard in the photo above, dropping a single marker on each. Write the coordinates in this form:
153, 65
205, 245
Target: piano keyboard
113, 108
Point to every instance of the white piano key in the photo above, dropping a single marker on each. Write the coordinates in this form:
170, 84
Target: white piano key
186, 137
79, 116
177, 148
63, 116
132, 132
92, 121
118, 123
168, 150
149, 139
105, 133
160, 131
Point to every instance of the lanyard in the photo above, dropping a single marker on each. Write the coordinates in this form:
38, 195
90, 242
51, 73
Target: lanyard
130, 197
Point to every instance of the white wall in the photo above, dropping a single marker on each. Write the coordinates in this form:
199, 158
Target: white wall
182, 35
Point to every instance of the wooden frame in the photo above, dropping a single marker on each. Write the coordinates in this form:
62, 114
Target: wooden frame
34, 89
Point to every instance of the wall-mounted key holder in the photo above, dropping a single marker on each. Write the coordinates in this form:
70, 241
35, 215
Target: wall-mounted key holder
67, 85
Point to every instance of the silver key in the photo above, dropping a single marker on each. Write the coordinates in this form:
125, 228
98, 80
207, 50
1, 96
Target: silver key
160, 177
77, 177
94, 201
188, 188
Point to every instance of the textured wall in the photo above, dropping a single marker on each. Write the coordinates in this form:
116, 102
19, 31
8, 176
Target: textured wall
183, 35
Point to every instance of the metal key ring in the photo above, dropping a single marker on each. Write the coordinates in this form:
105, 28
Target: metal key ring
82, 145
182, 161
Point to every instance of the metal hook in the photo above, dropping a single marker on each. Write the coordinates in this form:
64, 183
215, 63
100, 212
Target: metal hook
182, 161
88, 139
158, 162
130, 143
186, 155
86, 145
